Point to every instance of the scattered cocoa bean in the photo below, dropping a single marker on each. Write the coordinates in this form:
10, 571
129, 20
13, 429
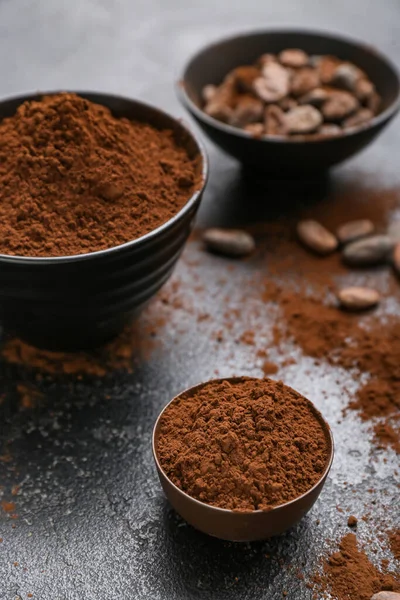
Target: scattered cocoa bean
353, 230
248, 110
386, 596
339, 105
274, 120
303, 119
359, 118
358, 298
346, 76
396, 259
209, 92
274, 83
304, 80
230, 242
368, 251
316, 237
293, 57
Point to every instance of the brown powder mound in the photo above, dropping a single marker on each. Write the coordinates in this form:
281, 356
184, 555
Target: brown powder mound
394, 541
231, 444
349, 574
346, 340
74, 179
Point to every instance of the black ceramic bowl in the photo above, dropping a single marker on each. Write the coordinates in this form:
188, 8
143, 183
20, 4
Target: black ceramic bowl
212, 63
73, 302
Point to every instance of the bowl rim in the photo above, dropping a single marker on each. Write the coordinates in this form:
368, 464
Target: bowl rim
225, 511
180, 85
137, 242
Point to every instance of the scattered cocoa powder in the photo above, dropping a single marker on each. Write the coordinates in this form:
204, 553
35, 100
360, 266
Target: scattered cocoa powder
349, 574
8, 507
137, 341
75, 179
394, 542
352, 521
243, 444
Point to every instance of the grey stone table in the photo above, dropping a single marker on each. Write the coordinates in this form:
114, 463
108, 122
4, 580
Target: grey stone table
92, 521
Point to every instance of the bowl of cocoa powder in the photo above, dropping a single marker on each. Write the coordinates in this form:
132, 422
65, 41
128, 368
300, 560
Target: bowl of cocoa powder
98, 194
242, 459
290, 100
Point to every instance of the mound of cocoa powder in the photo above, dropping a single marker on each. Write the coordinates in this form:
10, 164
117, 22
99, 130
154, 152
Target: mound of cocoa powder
75, 179
349, 574
243, 445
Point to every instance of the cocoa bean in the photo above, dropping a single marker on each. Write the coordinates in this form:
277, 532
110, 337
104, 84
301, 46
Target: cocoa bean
209, 92
255, 129
230, 242
274, 120
326, 66
346, 76
248, 110
369, 251
364, 89
374, 102
330, 129
274, 83
386, 596
219, 110
316, 237
353, 230
358, 298
302, 119
339, 105
266, 59
294, 58
316, 97
304, 81
245, 77
361, 117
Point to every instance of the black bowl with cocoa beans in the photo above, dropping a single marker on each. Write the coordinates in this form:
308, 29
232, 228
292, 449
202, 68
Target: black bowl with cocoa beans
290, 101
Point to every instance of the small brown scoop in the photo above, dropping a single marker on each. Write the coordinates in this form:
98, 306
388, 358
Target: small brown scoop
240, 526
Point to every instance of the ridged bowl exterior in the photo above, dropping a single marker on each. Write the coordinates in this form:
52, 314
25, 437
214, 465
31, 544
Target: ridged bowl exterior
68, 303
275, 155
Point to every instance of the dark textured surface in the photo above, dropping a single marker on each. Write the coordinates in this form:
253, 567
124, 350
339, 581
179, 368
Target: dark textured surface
92, 522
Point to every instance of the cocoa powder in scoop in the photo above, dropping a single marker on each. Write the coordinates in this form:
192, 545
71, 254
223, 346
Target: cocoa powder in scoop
75, 179
243, 445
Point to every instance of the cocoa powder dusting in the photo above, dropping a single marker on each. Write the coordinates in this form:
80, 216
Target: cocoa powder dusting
349, 574
75, 179
243, 445
394, 543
